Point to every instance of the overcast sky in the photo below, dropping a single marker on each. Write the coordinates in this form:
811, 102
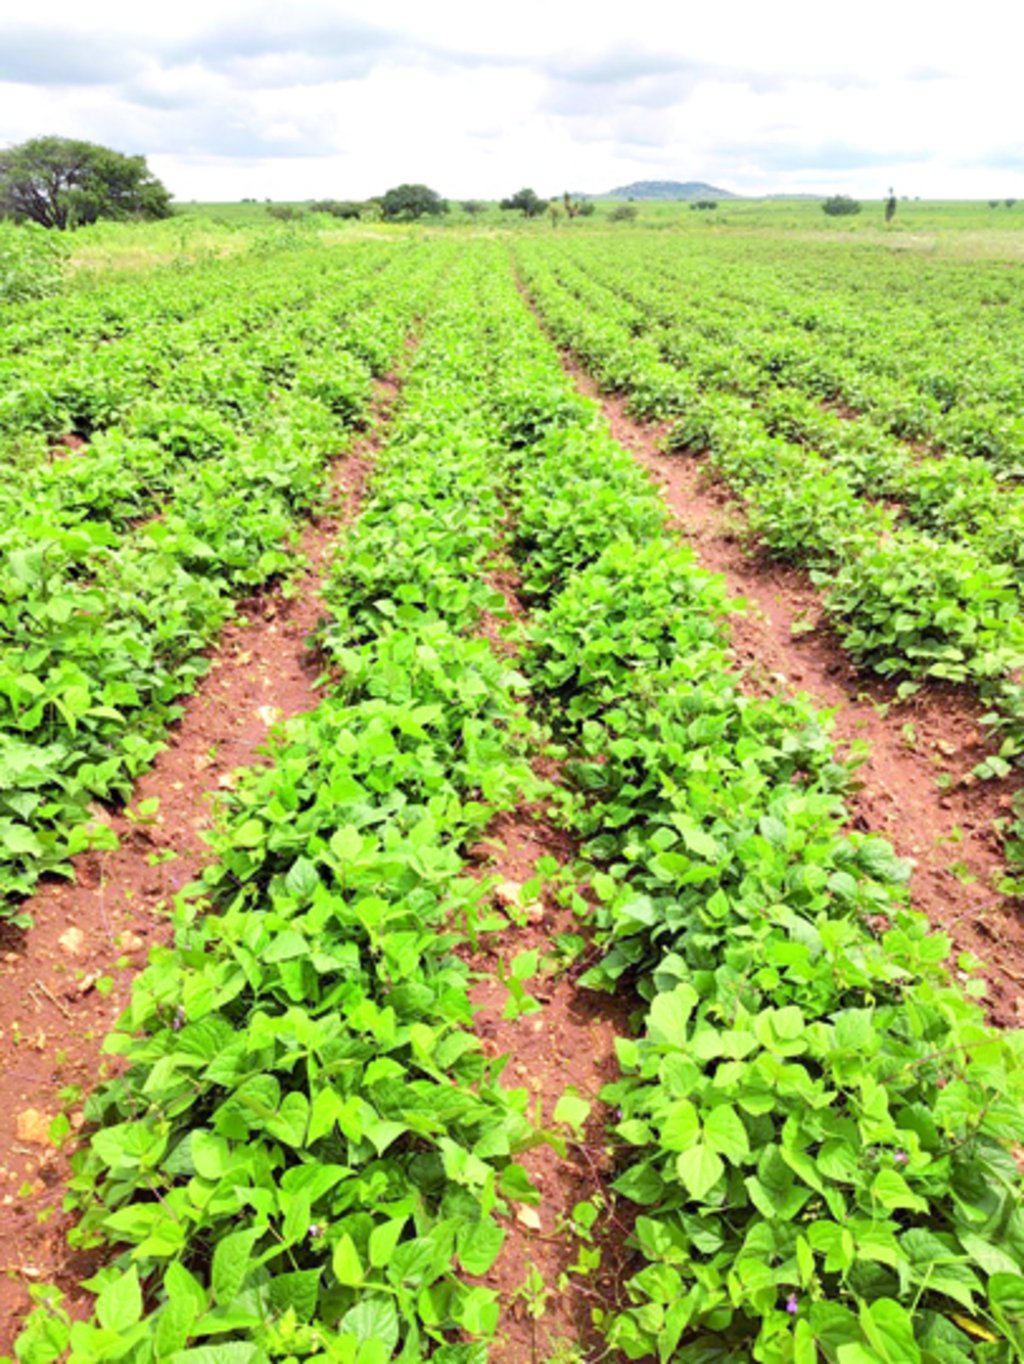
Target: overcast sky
303, 99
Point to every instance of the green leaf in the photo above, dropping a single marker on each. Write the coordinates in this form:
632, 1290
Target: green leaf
478, 1245
20, 840
892, 1191
297, 1219
524, 964
834, 1326
44, 1339
992, 1259
373, 1318
119, 1305
641, 1183
231, 1260
855, 1030
383, 1240
669, 1015
249, 834
1006, 1298
210, 1153
298, 1290
680, 1126
345, 1261
285, 946
181, 1284
890, 1331
289, 1124
174, 1323
302, 879
697, 840
382, 1133
724, 1132
515, 1184
804, 1349
476, 1310
346, 843
571, 1109
854, 1352
700, 1168
230, 1352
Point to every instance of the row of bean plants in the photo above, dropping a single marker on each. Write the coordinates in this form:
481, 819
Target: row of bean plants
907, 597
120, 564
954, 496
815, 1124
931, 352
307, 1150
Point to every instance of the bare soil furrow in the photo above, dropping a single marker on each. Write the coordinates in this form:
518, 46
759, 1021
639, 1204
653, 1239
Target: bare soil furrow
568, 1042
65, 980
915, 785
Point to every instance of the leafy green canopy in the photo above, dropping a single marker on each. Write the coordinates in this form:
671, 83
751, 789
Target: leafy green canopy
840, 206
62, 182
31, 263
406, 202
525, 201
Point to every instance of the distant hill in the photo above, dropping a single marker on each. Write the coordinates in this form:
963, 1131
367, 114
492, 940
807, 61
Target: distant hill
668, 189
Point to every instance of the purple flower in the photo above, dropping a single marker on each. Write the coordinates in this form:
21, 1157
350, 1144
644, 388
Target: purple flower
792, 1305
900, 1157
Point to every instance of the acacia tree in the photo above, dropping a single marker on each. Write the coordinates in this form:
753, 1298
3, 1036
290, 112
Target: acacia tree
62, 182
412, 201
526, 202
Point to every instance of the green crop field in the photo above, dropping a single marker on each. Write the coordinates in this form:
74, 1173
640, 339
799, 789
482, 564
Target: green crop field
803, 1141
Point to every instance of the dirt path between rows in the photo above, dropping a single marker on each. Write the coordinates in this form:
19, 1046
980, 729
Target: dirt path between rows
915, 786
566, 1042
66, 980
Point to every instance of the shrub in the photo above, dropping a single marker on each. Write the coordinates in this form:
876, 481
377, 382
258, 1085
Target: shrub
525, 201
622, 213
337, 208
840, 206
31, 262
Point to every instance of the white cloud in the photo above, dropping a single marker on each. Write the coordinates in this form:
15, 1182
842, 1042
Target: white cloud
230, 99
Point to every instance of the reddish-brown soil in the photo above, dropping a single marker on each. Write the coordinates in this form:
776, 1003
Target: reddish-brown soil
915, 785
65, 980
67, 445
569, 1041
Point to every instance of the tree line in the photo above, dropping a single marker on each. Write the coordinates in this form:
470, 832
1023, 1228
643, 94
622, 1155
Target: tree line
64, 183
